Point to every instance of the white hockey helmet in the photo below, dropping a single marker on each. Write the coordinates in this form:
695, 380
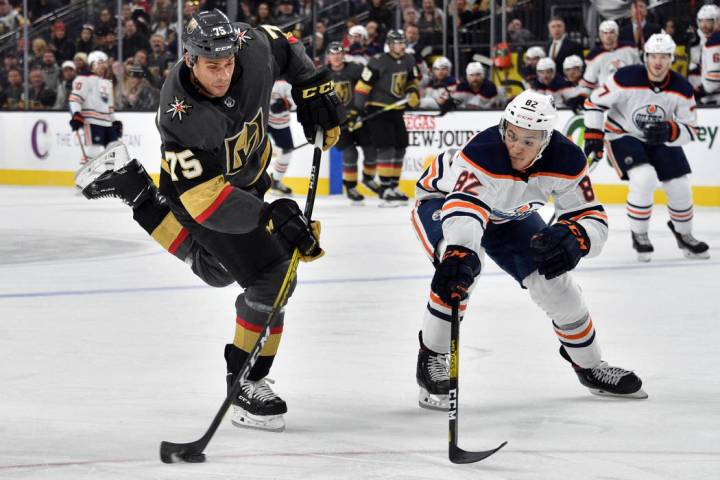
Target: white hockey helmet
573, 61
535, 52
533, 111
442, 62
360, 31
546, 63
708, 12
608, 26
660, 43
475, 68
96, 56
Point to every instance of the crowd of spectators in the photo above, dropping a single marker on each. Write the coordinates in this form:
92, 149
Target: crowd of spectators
149, 39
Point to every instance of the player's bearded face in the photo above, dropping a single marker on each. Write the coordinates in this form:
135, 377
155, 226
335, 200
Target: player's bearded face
609, 39
546, 76
214, 74
658, 65
523, 145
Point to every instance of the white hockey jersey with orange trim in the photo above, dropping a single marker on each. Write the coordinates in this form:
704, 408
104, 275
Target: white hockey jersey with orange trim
480, 186
631, 101
601, 64
281, 90
711, 64
93, 97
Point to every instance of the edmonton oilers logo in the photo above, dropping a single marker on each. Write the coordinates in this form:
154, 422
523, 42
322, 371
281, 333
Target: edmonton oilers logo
647, 114
40, 139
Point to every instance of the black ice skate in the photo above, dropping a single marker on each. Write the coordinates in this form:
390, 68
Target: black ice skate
356, 198
280, 189
392, 197
371, 184
608, 381
643, 247
691, 247
432, 378
130, 183
257, 406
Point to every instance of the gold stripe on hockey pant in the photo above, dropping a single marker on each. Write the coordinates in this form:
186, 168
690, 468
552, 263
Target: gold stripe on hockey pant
169, 233
246, 334
201, 198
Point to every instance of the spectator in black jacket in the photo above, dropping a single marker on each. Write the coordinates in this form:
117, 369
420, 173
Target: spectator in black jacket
560, 45
86, 42
380, 13
60, 43
134, 40
40, 97
638, 29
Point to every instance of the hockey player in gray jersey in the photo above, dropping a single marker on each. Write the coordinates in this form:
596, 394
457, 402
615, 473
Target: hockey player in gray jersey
483, 199
647, 113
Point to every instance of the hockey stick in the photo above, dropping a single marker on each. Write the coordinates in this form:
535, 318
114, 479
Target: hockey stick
457, 454
192, 452
82, 149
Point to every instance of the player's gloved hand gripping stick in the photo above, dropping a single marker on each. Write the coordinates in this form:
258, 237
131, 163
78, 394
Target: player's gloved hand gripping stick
193, 451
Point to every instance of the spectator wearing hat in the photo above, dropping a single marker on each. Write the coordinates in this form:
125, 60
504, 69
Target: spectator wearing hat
286, 14
11, 95
50, 70
81, 66
138, 94
40, 97
60, 43
65, 86
134, 40
86, 42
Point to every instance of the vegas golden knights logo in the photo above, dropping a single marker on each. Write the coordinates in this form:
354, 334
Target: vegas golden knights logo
399, 79
342, 89
239, 147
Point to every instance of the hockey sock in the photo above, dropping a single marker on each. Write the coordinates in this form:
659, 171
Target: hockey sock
643, 181
350, 159
369, 161
386, 166
280, 165
680, 204
578, 338
157, 220
436, 323
251, 317
349, 184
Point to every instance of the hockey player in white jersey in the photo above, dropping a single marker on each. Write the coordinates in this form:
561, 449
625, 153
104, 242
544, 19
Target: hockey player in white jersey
92, 106
476, 92
707, 20
711, 70
607, 57
483, 199
281, 104
548, 82
646, 113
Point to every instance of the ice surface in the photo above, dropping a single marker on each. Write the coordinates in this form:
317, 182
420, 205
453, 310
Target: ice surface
109, 345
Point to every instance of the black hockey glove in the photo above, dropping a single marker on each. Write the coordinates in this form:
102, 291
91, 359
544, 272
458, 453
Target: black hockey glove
455, 273
285, 218
317, 106
354, 120
576, 104
448, 105
413, 96
77, 121
117, 126
594, 142
657, 133
279, 106
558, 249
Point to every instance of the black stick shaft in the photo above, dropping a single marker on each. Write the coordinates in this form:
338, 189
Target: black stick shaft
453, 392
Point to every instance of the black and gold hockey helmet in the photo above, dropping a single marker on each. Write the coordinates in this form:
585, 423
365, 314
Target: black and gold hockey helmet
335, 47
210, 34
395, 36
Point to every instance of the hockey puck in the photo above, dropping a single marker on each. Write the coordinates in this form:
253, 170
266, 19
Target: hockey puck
193, 458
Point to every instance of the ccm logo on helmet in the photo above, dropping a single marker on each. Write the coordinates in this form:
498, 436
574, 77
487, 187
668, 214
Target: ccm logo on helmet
319, 89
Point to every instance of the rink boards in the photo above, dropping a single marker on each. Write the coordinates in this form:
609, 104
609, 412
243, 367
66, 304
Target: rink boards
40, 149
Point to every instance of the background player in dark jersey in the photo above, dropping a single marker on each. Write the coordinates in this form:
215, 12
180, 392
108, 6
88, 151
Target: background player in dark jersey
387, 79
213, 121
354, 134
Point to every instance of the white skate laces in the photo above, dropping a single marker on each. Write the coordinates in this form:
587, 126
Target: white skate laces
259, 390
438, 367
608, 374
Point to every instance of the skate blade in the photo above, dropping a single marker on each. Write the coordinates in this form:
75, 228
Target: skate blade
696, 256
644, 257
433, 401
357, 203
391, 203
639, 395
270, 423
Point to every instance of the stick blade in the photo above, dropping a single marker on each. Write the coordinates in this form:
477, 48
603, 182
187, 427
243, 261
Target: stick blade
181, 452
458, 455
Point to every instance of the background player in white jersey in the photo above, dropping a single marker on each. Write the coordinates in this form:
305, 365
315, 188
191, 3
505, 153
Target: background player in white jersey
707, 19
357, 45
483, 199
477, 92
281, 104
607, 57
650, 114
436, 92
92, 106
548, 82
711, 68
